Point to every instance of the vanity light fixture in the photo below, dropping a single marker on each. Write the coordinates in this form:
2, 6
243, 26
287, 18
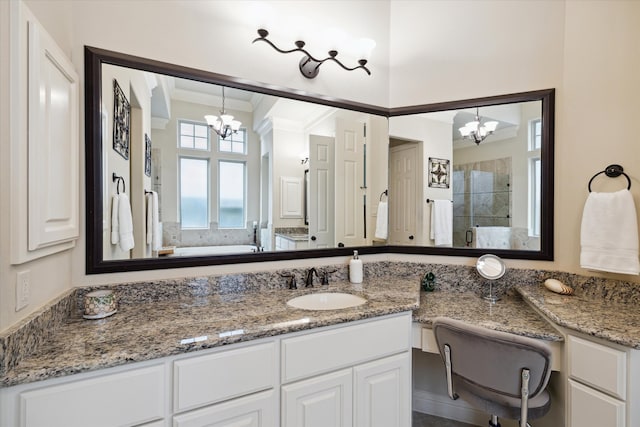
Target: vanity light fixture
309, 65
477, 132
224, 125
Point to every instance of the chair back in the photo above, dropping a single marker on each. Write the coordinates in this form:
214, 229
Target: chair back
493, 360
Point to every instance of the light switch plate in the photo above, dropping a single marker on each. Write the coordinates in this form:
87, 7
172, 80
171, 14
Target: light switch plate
23, 289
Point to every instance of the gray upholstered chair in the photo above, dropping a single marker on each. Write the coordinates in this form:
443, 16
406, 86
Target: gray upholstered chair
500, 373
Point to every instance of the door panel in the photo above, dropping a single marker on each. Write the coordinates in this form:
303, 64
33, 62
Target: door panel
403, 195
321, 194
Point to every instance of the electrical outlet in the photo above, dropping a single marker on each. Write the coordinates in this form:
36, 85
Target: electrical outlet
23, 289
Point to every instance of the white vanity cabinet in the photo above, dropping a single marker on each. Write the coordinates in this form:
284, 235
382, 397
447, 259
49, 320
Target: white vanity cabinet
243, 379
604, 380
284, 243
351, 374
126, 397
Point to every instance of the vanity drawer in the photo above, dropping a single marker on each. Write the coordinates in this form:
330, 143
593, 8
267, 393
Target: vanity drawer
126, 398
599, 366
320, 352
203, 380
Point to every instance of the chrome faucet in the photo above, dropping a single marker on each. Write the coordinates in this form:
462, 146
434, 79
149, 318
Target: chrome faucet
308, 282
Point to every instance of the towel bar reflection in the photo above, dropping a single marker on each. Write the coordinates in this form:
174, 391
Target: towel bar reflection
119, 180
612, 171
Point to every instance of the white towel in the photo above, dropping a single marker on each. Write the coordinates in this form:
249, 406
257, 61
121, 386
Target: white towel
381, 221
125, 223
442, 222
115, 227
492, 237
609, 233
154, 235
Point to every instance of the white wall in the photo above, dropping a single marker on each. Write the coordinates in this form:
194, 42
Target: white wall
588, 51
51, 275
437, 51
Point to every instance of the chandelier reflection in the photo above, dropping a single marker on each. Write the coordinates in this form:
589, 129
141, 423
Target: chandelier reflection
224, 125
476, 131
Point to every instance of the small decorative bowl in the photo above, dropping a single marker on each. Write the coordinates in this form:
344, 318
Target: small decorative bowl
99, 304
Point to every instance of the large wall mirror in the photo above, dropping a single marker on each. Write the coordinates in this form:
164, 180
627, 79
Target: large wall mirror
303, 176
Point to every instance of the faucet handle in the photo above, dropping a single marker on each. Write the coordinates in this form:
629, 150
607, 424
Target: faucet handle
324, 276
291, 281
309, 279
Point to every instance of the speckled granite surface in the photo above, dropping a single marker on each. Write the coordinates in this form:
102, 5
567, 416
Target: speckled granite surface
588, 312
510, 314
150, 329
162, 318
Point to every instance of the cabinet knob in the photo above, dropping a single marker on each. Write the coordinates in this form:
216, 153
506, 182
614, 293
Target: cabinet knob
313, 238
411, 237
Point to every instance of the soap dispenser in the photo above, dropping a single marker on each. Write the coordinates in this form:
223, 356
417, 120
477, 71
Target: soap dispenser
355, 269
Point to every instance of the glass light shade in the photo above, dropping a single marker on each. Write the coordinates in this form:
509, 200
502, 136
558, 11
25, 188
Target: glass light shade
472, 125
211, 120
333, 38
483, 131
491, 126
465, 131
235, 125
226, 119
364, 48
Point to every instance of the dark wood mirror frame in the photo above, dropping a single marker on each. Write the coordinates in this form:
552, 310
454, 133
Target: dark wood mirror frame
95, 58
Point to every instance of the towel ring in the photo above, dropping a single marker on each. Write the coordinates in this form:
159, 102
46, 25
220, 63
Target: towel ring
612, 171
119, 180
384, 193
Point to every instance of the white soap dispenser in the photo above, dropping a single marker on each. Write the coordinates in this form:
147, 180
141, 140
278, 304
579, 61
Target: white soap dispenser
355, 269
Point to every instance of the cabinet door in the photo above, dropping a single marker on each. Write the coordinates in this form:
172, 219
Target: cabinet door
124, 399
203, 380
383, 392
258, 410
589, 407
53, 143
290, 197
324, 401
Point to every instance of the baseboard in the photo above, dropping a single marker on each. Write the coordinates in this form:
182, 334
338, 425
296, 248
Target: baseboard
441, 406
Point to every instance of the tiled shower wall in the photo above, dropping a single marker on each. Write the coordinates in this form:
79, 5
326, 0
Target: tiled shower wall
481, 196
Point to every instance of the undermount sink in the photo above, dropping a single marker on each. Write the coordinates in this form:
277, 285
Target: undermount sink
326, 301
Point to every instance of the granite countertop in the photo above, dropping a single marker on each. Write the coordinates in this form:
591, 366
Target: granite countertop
186, 323
510, 314
605, 315
158, 319
294, 236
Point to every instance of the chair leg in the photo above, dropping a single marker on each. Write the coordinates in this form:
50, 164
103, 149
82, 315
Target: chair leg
493, 422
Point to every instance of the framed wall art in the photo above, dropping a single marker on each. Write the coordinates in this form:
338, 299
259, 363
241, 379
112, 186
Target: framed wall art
439, 173
121, 121
147, 155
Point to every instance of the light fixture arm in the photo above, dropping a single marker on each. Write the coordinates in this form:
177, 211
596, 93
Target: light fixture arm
309, 65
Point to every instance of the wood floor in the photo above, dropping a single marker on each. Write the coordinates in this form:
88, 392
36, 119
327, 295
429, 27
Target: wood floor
424, 420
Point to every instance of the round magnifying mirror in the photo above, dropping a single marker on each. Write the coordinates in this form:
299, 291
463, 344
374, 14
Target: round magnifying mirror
491, 267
